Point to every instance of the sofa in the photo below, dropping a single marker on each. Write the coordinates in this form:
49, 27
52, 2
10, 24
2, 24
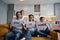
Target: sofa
4, 29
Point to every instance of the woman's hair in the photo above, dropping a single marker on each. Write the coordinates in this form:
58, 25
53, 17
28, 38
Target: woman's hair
30, 16
17, 12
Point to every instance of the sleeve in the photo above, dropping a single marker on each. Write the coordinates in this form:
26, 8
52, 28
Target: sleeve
12, 22
48, 25
36, 25
11, 25
23, 21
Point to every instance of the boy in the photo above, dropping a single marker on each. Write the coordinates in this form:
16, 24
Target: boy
42, 28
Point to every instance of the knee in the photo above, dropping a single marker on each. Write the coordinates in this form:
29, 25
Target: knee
6, 36
28, 35
18, 35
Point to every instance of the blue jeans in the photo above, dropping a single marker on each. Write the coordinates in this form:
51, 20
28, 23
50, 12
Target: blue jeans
15, 35
43, 32
32, 32
28, 35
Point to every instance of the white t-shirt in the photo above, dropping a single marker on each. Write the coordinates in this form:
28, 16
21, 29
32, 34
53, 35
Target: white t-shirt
41, 25
30, 25
17, 24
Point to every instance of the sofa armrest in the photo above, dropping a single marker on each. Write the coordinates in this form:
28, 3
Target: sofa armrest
54, 35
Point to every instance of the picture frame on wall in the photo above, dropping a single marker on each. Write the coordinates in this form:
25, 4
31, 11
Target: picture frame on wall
37, 8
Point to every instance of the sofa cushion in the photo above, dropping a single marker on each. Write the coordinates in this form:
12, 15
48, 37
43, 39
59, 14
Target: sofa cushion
5, 25
1, 38
54, 35
3, 31
40, 38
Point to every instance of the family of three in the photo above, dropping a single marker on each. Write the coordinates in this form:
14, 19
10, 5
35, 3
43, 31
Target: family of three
22, 30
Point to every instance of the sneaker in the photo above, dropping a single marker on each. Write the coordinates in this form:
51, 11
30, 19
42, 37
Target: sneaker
48, 36
23, 38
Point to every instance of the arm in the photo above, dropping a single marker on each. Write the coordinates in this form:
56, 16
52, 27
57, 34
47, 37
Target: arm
24, 27
35, 26
11, 27
48, 26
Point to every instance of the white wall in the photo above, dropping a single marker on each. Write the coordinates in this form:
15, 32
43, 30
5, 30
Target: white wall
47, 10
29, 9
3, 12
57, 11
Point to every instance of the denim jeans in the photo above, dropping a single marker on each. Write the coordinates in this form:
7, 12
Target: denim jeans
28, 35
43, 32
32, 32
13, 34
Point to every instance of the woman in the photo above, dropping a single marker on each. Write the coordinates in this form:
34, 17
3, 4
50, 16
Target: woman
16, 26
42, 28
30, 25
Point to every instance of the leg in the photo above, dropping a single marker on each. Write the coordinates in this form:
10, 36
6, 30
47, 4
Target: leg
47, 31
28, 35
22, 37
41, 33
32, 32
9, 35
17, 35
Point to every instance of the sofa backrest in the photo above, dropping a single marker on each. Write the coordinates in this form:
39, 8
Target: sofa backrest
4, 28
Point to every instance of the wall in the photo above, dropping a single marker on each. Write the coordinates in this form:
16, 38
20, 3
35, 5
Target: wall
3, 12
57, 11
29, 9
45, 9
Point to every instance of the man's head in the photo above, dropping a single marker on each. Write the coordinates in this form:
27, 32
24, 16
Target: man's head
22, 11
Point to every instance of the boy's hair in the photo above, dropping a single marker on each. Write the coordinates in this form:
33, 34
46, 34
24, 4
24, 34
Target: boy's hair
41, 18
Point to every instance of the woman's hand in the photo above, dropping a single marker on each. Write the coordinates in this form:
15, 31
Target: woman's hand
24, 27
